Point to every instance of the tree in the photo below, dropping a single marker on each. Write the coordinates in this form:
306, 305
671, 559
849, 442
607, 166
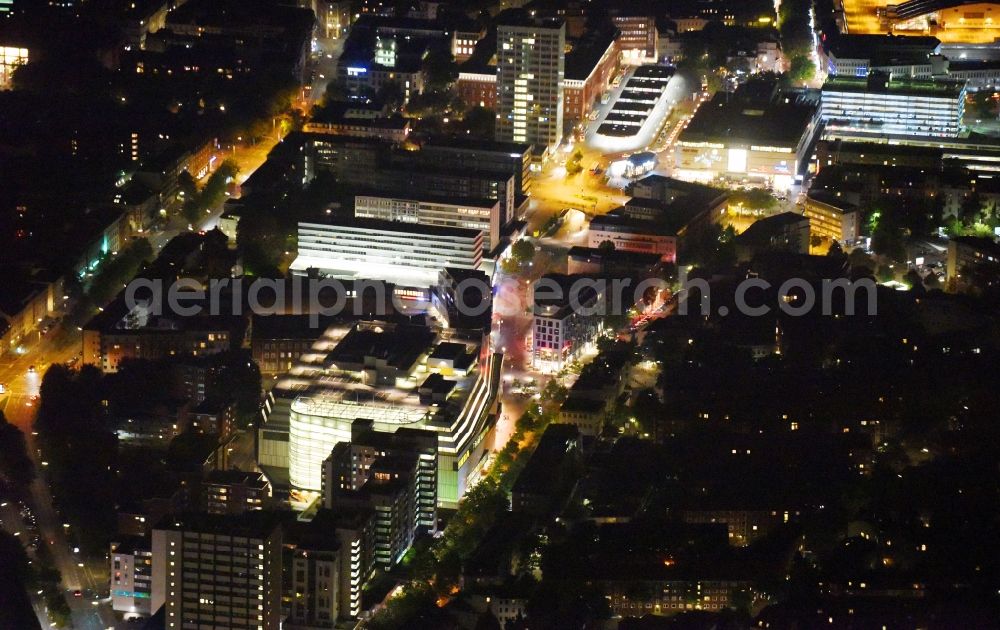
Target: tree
479, 122
113, 273
972, 205
836, 251
754, 199
802, 69
15, 578
391, 95
15, 464
606, 247
859, 261
440, 67
522, 251
261, 241
187, 184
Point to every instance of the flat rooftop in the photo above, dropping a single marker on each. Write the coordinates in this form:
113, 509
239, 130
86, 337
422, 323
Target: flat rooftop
905, 87
729, 119
379, 225
398, 346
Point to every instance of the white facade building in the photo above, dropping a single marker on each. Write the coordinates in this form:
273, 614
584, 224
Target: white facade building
881, 105
404, 254
483, 215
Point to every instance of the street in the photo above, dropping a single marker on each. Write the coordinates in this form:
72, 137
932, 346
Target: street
77, 574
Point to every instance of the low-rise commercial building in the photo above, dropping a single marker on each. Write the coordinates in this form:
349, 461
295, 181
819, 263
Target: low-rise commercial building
632, 235
759, 133
388, 128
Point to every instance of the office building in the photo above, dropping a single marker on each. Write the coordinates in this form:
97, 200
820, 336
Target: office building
404, 254
880, 105
211, 570
505, 158
483, 215
637, 39
530, 71
235, 491
858, 55
131, 576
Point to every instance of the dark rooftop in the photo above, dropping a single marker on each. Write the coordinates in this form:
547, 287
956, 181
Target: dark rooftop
587, 53
729, 118
398, 345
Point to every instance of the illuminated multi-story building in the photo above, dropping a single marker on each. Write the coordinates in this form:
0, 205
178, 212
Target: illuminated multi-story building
530, 70
565, 319
131, 572
394, 474
638, 38
211, 570
235, 491
832, 216
378, 371
473, 214
589, 69
405, 254
879, 105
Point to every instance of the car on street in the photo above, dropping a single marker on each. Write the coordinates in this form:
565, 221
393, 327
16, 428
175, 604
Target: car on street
31, 369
